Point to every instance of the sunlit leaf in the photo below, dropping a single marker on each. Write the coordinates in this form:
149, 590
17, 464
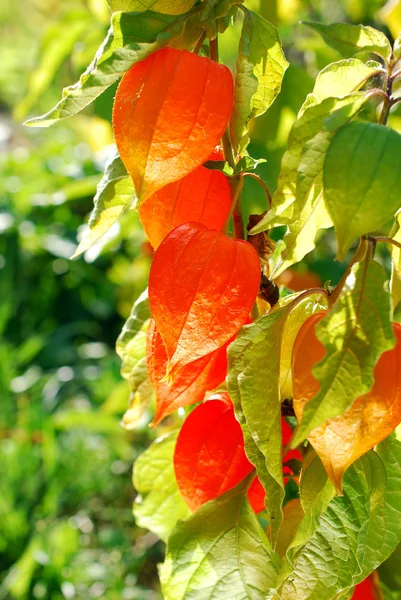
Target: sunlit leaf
159, 506
131, 38
220, 551
259, 74
328, 559
167, 7
131, 348
349, 40
114, 195
362, 180
254, 386
165, 135
354, 337
322, 118
202, 286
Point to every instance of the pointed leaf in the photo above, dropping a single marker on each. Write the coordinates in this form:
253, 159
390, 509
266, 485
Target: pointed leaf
362, 180
397, 48
209, 457
167, 7
114, 195
348, 40
221, 552
202, 286
131, 348
159, 506
203, 196
254, 386
191, 382
328, 562
354, 336
132, 37
315, 119
259, 74
164, 135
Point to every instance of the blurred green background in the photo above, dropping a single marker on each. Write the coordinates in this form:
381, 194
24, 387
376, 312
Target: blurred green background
66, 524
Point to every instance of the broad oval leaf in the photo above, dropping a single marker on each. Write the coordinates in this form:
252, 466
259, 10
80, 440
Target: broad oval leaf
203, 196
169, 113
355, 333
159, 505
349, 40
220, 552
209, 457
190, 384
362, 180
202, 286
167, 7
260, 69
132, 37
340, 441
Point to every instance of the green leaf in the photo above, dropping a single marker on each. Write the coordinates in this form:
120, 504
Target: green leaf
166, 7
131, 38
397, 48
131, 348
349, 40
254, 386
362, 180
342, 78
327, 563
220, 552
259, 74
395, 283
160, 505
114, 195
219, 165
355, 333
390, 573
384, 531
325, 116
247, 164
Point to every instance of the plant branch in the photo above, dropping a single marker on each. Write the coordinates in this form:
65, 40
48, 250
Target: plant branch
199, 43
387, 240
263, 184
214, 49
387, 103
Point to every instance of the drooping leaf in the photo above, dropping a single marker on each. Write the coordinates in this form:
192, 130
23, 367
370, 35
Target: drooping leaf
293, 515
260, 69
397, 48
202, 286
222, 552
131, 38
354, 337
190, 383
349, 40
114, 195
165, 134
362, 180
209, 457
286, 207
131, 348
166, 7
341, 440
328, 560
203, 196
159, 506
254, 386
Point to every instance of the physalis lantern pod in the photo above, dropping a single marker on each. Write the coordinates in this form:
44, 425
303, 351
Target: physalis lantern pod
202, 286
169, 113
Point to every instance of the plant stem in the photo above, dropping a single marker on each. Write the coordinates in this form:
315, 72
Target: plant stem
387, 240
237, 215
214, 49
199, 43
236, 186
262, 183
387, 103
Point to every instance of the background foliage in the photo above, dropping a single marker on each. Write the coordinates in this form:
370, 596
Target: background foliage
66, 526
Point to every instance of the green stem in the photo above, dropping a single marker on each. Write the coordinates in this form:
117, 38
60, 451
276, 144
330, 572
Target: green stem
263, 184
387, 240
236, 186
387, 103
